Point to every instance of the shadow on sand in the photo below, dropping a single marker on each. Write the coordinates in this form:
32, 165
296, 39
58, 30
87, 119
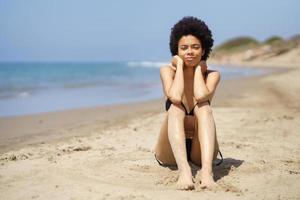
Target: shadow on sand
224, 169
221, 170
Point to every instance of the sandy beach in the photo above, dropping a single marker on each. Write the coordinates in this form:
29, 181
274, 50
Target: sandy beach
107, 152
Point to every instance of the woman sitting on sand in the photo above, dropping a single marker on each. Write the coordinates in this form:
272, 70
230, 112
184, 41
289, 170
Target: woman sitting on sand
188, 132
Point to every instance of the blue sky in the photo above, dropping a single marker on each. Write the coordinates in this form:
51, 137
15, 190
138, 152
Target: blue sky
95, 30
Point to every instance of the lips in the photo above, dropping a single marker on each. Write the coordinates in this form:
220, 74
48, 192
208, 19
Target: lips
189, 58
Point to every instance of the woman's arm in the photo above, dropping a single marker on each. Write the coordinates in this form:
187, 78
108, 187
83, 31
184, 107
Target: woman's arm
205, 91
173, 85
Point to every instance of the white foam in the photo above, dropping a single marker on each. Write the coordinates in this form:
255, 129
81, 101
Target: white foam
24, 94
145, 64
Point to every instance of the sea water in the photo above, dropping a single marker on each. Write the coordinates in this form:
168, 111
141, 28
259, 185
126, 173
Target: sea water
28, 88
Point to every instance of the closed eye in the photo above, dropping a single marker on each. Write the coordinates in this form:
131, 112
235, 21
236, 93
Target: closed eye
183, 47
196, 46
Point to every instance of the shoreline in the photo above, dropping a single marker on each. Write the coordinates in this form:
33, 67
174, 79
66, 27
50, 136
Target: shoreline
37, 101
34, 129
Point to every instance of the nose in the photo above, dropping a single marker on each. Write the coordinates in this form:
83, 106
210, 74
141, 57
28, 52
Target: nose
189, 51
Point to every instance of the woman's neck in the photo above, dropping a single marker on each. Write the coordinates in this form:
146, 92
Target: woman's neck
189, 70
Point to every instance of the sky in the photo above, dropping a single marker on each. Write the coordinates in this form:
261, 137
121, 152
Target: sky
131, 30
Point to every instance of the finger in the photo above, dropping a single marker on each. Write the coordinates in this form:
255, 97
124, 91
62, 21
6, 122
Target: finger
172, 67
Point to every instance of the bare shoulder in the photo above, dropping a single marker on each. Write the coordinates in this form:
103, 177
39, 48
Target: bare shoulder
213, 77
213, 74
167, 70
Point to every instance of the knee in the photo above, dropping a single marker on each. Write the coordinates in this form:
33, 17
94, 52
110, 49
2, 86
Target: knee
203, 110
175, 111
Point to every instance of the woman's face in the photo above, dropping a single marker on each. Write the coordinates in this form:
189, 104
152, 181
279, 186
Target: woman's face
190, 50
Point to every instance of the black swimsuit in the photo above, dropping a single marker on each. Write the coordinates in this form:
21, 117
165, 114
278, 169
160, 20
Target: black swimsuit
191, 113
188, 141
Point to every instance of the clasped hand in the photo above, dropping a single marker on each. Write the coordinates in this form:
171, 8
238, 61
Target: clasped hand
178, 62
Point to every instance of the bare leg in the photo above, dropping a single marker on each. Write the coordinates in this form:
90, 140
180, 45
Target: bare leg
163, 150
177, 140
207, 135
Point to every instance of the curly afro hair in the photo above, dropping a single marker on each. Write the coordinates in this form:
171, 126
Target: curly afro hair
191, 26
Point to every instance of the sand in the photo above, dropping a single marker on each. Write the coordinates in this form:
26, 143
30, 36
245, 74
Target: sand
107, 152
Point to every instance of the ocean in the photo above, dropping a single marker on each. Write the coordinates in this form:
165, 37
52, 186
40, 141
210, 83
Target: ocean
37, 87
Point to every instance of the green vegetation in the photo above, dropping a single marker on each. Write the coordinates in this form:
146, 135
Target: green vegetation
273, 40
237, 44
249, 48
281, 46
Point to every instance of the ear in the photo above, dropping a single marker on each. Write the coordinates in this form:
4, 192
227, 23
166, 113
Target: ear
203, 52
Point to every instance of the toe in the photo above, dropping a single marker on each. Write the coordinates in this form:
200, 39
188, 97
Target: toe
191, 187
185, 186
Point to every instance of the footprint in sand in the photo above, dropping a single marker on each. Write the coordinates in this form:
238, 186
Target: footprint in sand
168, 180
15, 156
82, 148
70, 149
228, 188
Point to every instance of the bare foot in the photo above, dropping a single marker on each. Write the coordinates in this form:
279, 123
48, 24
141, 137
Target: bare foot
207, 180
185, 181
